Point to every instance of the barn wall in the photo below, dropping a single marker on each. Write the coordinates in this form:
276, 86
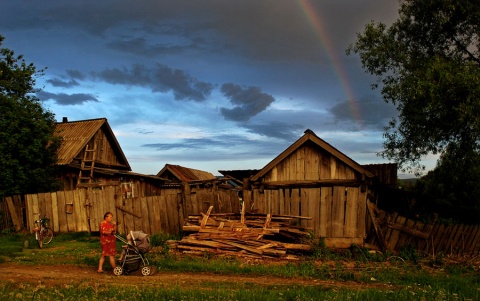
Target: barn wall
337, 211
310, 163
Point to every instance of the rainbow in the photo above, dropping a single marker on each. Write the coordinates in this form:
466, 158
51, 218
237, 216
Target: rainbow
316, 23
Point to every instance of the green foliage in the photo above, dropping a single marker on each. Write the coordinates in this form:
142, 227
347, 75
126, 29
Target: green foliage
410, 253
28, 146
452, 189
160, 239
427, 65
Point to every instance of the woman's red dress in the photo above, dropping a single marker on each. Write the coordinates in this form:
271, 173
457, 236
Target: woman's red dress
107, 240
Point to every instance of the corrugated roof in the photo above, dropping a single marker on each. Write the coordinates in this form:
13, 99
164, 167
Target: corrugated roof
185, 174
75, 135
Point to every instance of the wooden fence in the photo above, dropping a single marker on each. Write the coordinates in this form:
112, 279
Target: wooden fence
83, 210
392, 232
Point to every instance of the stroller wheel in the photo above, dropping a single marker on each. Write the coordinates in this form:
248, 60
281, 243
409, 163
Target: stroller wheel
118, 270
146, 270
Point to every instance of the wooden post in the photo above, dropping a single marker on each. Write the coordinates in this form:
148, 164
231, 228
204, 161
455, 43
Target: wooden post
381, 239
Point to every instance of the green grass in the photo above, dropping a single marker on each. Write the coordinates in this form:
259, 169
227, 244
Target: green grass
379, 276
253, 293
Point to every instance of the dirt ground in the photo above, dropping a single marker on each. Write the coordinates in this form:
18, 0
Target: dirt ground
52, 276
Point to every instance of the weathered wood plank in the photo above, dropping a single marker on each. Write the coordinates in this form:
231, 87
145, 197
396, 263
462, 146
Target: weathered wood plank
41, 204
379, 234
326, 203
444, 239
295, 202
390, 218
154, 215
476, 244
456, 244
55, 214
392, 240
62, 215
70, 218
351, 212
361, 228
75, 216
313, 197
338, 211
13, 213
300, 164
48, 207
471, 239
29, 211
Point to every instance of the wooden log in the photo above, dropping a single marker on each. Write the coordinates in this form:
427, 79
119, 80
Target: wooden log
203, 223
206, 243
408, 229
251, 250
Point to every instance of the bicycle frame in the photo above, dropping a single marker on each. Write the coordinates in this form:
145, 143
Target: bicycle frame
43, 234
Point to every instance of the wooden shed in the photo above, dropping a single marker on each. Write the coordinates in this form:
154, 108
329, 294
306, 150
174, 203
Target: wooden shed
177, 173
311, 178
91, 157
87, 146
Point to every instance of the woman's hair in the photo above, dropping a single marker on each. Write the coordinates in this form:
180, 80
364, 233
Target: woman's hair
106, 214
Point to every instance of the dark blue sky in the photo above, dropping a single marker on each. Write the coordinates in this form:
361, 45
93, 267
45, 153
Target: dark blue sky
211, 84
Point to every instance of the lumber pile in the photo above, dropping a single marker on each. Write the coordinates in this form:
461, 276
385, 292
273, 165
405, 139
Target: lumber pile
246, 235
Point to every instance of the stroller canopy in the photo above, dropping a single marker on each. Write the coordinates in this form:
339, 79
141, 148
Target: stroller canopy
140, 240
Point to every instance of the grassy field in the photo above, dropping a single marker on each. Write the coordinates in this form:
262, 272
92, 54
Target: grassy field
353, 274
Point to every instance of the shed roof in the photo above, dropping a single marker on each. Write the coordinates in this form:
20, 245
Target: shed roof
311, 136
185, 174
76, 134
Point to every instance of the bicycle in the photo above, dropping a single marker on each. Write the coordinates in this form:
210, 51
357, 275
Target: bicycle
43, 234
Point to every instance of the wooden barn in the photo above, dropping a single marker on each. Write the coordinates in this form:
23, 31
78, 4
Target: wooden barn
91, 157
311, 178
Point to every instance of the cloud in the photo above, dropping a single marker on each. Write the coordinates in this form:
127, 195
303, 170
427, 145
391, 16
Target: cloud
247, 101
372, 112
75, 74
143, 131
192, 143
219, 147
70, 81
159, 78
139, 46
67, 99
284, 131
57, 82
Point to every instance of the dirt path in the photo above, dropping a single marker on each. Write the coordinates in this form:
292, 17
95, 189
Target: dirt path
51, 276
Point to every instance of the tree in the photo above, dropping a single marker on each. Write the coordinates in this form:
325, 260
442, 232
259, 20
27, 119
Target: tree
427, 65
452, 189
28, 146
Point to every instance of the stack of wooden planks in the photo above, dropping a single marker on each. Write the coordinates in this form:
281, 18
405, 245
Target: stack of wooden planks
240, 234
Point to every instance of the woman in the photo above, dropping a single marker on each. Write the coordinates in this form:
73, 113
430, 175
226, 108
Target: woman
108, 228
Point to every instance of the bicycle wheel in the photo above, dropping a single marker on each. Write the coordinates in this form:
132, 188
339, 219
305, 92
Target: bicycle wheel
47, 235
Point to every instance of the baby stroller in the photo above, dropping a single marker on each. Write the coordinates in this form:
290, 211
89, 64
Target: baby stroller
133, 257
